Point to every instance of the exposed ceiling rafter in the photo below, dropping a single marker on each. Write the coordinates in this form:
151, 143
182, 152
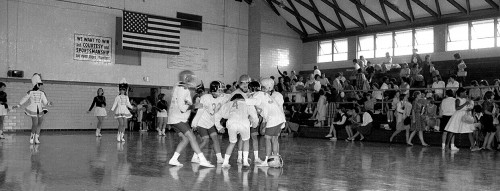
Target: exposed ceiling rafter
316, 14
341, 22
493, 4
337, 8
426, 8
361, 15
369, 11
412, 16
297, 17
397, 10
384, 11
302, 34
468, 6
273, 7
458, 6
296, 14
438, 8
315, 10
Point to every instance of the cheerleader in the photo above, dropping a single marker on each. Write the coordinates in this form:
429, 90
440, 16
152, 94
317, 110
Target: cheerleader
100, 110
35, 109
120, 108
4, 108
162, 114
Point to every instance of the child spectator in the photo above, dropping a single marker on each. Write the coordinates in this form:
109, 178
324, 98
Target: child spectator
339, 121
431, 119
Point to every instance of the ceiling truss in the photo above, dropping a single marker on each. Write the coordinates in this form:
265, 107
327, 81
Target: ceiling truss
333, 23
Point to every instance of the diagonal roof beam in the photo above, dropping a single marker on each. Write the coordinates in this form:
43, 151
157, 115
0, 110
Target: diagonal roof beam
468, 6
337, 8
438, 8
301, 33
273, 7
458, 6
316, 15
412, 16
369, 11
296, 17
296, 14
385, 12
493, 4
315, 10
361, 16
341, 22
396, 9
426, 8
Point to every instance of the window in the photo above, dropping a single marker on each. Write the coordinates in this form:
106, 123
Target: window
384, 44
403, 43
366, 46
325, 51
482, 34
424, 40
458, 37
498, 32
340, 49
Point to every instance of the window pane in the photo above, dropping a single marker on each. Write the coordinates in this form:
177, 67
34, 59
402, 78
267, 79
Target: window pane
424, 40
340, 49
384, 44
498, 32
325, 51
366, 46
482, 33
458, 37
403, 43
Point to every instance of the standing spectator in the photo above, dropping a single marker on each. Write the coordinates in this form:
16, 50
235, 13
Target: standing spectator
387, 64
474, 91
362, 62
460, 66
324, 80
284, 75
370, 70
418, 120
487, 120
438, 85
446, 110
355, 65
405, 86
414, 72
385, 86
496, 91
341, 77
360, 80
316, 87
337, 87
456, 123
293, 75
309, 86
415, 58
350, 95
484, 87
320, 112
426, 69
452, 83
316, 71
281, 85
403, 112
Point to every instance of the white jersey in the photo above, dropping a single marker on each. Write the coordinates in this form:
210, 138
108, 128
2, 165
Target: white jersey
179, 105
270, 109
237, 113
205, 115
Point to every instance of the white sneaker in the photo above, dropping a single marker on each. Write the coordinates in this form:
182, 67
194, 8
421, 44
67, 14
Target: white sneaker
36, 139
122, 139
239, 160
226, 165
195, 159
174, 163
258, 161
32, 138
333, 139
118, 137
263, 164
245, 164
328, 136
453, 148
206, 164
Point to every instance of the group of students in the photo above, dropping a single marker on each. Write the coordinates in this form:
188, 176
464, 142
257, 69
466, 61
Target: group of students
237, 112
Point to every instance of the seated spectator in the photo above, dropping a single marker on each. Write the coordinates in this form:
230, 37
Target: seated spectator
350, 95
377, 94
360, 80
300, 88
355, 65
362, 63
431, 115
414, 72
452, 83
405, 71
369, 103
474, 91
339, 121
438, 86
364, 127
496, 91
405, 86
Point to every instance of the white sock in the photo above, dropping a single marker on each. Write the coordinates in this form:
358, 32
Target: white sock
226, 159
245, 157
452, 145
176, 156
240, 154
256, 155
265, 160
219, 156
195, 155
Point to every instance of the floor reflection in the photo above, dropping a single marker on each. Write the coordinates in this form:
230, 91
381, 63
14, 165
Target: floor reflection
78, 160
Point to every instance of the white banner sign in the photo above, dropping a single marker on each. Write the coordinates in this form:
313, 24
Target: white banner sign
92, 48
189, 58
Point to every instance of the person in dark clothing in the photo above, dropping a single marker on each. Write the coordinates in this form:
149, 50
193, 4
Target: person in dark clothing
162, 114
100, 110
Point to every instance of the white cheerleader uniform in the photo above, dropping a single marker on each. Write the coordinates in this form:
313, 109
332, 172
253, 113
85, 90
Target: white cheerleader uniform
121, 104
456, 125
37, 101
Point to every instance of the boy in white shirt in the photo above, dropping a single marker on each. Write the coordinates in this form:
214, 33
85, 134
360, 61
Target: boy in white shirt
271, 109
204, 121
239, 116
178, 114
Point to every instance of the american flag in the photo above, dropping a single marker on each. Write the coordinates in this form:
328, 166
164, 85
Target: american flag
149, 33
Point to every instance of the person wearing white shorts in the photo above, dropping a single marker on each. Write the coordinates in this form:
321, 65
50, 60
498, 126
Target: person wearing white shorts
162, 114
100, 110
239, 116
